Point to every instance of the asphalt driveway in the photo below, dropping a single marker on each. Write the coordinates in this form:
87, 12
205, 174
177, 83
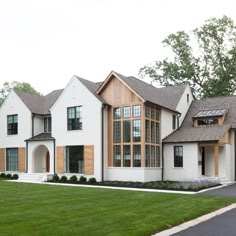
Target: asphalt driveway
227, 191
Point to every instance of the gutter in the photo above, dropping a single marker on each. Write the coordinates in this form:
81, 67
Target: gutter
162, 161
103, 107
26, 162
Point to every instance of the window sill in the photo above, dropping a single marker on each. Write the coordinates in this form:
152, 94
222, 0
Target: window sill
178, 168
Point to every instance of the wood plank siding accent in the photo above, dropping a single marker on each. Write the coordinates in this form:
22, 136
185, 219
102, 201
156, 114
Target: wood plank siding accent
60, 154
21, 159
88, 159
2, 159
225, 138
216, 160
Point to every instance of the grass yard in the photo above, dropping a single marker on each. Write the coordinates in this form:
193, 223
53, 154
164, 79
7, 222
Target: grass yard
31, 209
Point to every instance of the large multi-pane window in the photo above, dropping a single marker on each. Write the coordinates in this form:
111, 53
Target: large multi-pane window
12, 159
47, 125
74, 118
75, 159
147, 131
137, 155
117, 156
117, 113
136, 130
126, 155
178, 156
127, 112
116, 132
152, 156
12, 124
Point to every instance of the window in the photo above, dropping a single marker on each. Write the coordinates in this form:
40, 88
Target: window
157, 133
47, 124
174, 122
12, 124
158, 158
117, 113
12, 159
147, 131
116, 132
147, 112
116, 157
207, 122
75, 159
126, 131
74, 118
126, 112
126, 153
178, 156
153, 113
187, 98
153, 156
136, 130
136, 111
137, 155
147, 156
152, 131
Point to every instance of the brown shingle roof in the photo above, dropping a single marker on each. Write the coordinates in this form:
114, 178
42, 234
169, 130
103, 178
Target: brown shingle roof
39, 104
187, 133
167, 97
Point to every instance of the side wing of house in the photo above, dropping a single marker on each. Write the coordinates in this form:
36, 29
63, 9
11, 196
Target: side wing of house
77, 129
15, 123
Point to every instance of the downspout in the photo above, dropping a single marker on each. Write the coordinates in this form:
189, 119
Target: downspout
162, 161
103, 107
235, 155
33, 115
54, 156
26, 163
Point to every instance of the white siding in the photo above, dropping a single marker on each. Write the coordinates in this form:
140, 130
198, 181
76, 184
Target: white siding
14, 105
76, 94
166, 122
189, 171
183, 105
38, 125
133, 174
231, 167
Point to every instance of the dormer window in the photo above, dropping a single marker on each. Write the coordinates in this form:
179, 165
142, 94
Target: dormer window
209, 117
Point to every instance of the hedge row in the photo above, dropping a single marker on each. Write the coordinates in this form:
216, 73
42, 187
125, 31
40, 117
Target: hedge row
9, 176
73, 179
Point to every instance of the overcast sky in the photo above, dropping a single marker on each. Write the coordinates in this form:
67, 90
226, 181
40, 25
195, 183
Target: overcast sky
46, 42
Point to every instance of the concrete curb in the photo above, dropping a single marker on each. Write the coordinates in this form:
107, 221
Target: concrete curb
196, 221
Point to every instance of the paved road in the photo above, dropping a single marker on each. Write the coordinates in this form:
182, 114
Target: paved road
228, 191
222, 225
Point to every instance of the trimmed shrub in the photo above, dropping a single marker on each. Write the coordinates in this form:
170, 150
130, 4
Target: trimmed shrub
82, 179
63, 179
73, 179
92, 180
15, 176
55, 178
3, 175
8, 176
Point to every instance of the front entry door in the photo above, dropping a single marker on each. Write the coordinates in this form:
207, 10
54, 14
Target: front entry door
47, 162
203, 160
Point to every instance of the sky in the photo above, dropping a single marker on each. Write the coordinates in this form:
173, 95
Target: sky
46, 42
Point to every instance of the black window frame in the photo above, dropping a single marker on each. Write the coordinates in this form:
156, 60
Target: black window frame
77, 124
12, 128
75, 164
178, 159
47, 124
173, 121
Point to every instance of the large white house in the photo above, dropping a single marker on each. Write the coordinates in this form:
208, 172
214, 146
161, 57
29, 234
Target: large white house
120, 129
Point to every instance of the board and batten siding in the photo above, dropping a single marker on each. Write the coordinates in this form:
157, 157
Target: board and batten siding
2, 159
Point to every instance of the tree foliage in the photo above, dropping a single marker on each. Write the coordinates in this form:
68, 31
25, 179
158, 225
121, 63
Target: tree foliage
205, 59
22, 86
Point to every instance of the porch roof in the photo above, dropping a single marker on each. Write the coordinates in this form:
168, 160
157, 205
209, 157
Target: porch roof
40, 137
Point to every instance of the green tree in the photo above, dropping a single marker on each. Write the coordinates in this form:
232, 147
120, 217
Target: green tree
205, 59
22, 86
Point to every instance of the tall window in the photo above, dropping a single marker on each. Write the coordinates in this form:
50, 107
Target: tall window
117, 156
137, 155
136, 111
74, 118
12, 124
178, 156
75, 159
117, 113
147, 156
126, 112
47, 125
174, 121
126, 131
12, 159
136, 130
126, 154
116, 132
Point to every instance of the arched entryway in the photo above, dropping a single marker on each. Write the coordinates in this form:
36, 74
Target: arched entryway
41, 159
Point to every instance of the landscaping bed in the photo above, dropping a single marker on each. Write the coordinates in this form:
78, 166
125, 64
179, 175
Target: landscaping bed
8, 176
162, 185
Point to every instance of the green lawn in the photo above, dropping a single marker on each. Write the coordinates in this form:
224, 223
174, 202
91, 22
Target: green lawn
30, 209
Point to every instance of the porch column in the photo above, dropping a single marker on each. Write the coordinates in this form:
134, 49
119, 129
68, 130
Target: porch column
216, 159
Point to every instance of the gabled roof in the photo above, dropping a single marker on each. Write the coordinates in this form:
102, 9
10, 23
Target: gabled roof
39, 104
40, 137
167, 97
187, 133
92, 87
